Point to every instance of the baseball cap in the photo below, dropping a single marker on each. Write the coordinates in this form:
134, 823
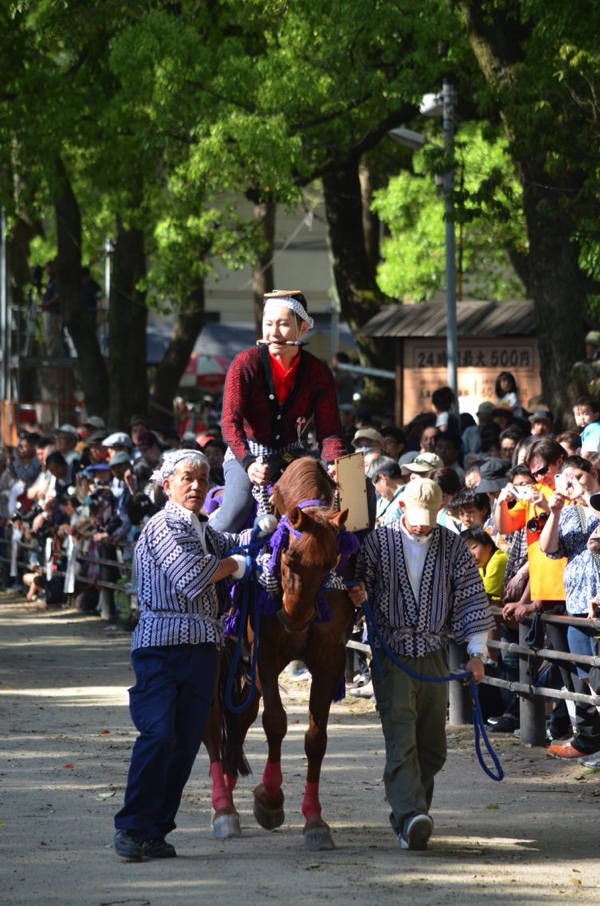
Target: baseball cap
422, 500
593, 338
540, 415
68, 429
120, 458
370, 434
117, 438
485, 408
94, 421
493, 475
424, 462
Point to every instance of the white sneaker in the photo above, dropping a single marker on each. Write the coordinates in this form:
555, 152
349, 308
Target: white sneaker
365, 691
416, 833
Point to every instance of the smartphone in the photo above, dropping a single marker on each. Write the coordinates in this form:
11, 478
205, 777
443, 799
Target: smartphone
562, 486
522, 491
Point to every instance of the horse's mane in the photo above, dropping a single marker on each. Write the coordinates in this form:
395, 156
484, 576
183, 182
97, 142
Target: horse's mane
304, 479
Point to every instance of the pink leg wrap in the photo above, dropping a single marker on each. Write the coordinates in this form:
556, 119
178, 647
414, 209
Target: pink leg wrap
230, 782
311, 807
272, 778
221, 797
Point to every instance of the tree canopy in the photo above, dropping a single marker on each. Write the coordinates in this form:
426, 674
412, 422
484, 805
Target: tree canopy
153, 121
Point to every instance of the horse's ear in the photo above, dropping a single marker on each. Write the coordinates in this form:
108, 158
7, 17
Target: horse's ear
297, 518
340, 518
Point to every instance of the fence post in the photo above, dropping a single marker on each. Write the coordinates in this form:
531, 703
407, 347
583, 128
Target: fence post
461, 709
531, 707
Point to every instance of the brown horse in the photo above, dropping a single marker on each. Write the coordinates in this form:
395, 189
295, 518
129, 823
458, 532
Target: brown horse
297, 631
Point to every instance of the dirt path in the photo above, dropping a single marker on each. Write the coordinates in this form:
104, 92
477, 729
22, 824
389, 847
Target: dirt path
66, 738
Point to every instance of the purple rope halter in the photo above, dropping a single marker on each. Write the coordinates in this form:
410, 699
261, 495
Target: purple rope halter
280, 537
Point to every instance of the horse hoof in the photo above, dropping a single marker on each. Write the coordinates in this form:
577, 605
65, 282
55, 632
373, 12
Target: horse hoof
317, 837
269, 818
226, 826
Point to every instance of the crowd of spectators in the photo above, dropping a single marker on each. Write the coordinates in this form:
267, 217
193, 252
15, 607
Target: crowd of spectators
73, 501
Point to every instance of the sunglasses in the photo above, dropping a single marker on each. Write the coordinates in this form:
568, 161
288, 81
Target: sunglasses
539, 473
537, 523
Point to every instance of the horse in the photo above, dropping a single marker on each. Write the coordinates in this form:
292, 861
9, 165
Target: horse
312, 624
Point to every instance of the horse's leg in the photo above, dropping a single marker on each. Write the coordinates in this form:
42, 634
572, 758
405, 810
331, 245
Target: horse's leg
268, 796
225, 819
327, 675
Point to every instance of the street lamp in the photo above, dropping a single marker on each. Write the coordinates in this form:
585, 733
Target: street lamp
436, 105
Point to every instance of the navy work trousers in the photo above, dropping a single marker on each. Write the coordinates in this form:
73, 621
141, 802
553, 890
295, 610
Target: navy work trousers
169, 706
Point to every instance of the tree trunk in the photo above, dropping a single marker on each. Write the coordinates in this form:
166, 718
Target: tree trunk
188, 324
72, 305
263, 278
554, 279
557, 284
371, 222
354, 274
127, 319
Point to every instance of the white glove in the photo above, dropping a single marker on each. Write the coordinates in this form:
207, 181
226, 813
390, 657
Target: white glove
241, 566
267, 523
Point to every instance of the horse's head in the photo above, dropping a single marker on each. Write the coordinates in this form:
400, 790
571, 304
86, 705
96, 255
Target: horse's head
312, 553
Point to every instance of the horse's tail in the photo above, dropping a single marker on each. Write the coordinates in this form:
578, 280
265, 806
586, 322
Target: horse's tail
232, 725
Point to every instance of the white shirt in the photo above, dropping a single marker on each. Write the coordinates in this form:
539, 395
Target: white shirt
415, 552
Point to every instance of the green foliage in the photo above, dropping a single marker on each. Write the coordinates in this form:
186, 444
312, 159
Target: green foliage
487, 215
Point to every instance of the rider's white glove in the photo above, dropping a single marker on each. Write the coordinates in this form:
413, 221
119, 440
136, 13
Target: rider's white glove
267, 523
241, 566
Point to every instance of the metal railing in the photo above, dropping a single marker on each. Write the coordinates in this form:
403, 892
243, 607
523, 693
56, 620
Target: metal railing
531, 696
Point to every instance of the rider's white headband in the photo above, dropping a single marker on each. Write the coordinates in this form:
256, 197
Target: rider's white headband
172, 459
294, 305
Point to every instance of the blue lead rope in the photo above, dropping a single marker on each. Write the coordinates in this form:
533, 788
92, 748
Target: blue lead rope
250, 551
373, 632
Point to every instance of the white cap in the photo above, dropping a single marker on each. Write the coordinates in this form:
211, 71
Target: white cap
118, 438
95, 421
68, 429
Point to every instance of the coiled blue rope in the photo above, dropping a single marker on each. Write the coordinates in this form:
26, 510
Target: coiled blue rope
373, 632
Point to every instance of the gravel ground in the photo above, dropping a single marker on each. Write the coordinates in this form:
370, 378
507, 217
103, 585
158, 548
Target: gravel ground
66, 738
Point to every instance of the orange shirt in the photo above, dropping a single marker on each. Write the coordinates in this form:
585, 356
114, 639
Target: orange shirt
545, 575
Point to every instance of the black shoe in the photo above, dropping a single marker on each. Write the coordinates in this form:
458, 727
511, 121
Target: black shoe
158, 849
128, 845
494, 720
508, 723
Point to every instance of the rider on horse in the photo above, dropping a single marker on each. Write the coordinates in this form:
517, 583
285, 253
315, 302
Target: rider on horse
272, 389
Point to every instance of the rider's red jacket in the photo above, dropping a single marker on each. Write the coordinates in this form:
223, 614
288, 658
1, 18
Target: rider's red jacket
251, 410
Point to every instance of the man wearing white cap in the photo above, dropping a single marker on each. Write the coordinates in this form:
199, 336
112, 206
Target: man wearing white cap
422, 585
423, 465
66, 439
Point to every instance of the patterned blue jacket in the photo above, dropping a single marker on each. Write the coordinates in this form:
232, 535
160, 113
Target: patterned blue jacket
451, 597
174, 568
